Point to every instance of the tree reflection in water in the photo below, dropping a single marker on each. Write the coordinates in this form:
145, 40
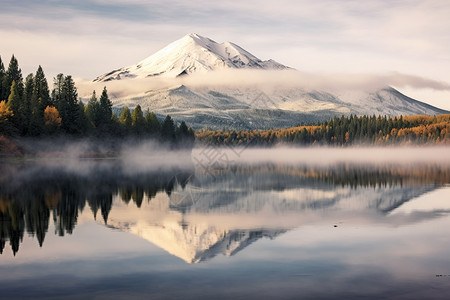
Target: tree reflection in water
30, 192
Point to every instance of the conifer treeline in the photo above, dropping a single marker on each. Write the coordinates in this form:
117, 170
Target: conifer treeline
342, 131
27, 108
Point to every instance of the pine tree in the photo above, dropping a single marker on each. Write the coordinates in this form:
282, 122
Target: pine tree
182, 129
69, 112
57, 93
27, 104
105, 108
14, 104
125, 119
2, 77
152, 124
181, 132
14, 73
137, 120
191, 134
41, 90
116, 127
92, 110
168, 129
184, 134
83, 121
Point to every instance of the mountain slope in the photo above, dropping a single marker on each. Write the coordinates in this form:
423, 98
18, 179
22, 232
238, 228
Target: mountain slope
251, 108
242, 104
192, 53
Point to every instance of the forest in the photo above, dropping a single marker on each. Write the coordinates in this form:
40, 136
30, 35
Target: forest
342, 131
29, 109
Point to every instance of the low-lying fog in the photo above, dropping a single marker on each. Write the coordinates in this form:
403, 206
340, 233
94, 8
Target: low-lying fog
146, 153
84, 157
331, 155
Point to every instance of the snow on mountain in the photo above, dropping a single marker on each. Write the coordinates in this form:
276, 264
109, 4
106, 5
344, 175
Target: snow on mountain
192, 53
251, 108
245, 106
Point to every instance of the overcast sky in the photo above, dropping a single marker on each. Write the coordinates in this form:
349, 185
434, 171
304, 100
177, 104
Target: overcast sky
88, 38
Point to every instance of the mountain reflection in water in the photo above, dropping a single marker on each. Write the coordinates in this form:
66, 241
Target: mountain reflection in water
196, 215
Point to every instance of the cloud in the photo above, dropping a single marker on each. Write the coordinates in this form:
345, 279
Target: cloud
88, 38
265, 80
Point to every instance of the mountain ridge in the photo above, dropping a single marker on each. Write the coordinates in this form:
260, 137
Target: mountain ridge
217, 106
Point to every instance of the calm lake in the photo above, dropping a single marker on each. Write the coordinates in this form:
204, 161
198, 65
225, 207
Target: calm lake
317, 223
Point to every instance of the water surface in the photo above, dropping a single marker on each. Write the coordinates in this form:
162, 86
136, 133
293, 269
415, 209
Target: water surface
286, 228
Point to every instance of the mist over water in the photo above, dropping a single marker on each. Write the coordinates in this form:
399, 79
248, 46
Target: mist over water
225, 221
325, 155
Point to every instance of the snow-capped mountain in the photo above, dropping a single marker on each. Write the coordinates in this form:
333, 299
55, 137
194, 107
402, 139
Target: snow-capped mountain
192, 53
239, 105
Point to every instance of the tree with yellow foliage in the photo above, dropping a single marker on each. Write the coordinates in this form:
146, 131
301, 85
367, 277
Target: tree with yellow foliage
6, 114
52, 119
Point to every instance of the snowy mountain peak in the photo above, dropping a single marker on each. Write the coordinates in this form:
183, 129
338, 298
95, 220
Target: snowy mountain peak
190, 54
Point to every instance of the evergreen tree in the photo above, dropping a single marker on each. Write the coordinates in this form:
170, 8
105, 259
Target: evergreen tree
137, 120
191, 134
125, 119
14, 104
168, 129
185, 135
27, 108
92, 111
83, 121
57, 93
41, 90
57, 89
14, 73
182, 130
116, 127
105, 108
2, 77
152, 124
69, 112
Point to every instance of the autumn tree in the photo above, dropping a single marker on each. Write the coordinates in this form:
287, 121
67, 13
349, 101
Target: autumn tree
52, 120
5, 119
